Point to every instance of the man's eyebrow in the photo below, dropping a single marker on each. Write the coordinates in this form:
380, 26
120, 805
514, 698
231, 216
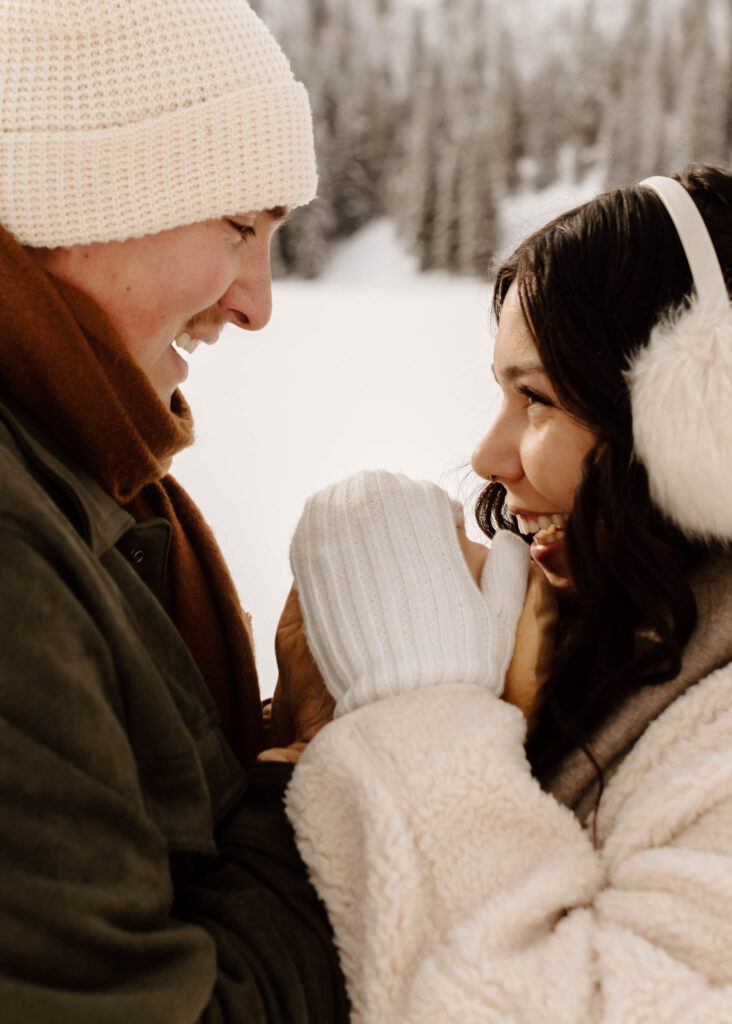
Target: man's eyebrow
279, 213
512, 373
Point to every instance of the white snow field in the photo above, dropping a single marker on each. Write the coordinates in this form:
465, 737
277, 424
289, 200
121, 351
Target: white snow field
371, 366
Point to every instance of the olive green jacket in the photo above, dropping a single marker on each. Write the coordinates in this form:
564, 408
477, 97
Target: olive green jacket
143, 876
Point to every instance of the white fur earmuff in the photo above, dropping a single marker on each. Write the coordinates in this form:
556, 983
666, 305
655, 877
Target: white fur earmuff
681, 388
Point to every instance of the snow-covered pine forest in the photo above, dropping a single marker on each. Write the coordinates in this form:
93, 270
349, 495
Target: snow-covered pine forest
432, 112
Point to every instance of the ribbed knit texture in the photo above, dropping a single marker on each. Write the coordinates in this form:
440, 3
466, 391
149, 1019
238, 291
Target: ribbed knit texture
120, 118
388, 601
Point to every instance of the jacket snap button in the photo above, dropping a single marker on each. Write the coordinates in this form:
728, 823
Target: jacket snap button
137, 556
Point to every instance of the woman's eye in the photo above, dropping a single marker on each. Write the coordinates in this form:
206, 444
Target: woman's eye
245, 230
534, 397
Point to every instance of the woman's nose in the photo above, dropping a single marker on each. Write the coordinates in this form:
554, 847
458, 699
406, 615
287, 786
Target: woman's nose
480, 459
496, 456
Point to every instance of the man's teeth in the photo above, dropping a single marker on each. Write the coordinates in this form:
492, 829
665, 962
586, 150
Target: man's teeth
187, 343
541, 523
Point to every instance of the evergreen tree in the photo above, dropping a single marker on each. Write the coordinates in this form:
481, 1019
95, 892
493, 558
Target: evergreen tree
629, 84
588, 95
406, 196
479, 212
653, 112
546, 125
701, 131
430, 183
489, 117
509, 122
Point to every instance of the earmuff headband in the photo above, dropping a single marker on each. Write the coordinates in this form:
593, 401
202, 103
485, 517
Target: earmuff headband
692, 231
680, 385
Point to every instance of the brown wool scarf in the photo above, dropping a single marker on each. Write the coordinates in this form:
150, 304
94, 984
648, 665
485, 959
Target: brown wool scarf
63, 362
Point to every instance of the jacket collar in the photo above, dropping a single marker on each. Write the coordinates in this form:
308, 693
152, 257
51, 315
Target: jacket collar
709, 648
97, 517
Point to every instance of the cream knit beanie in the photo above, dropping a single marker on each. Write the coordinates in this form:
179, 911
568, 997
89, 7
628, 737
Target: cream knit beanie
121, 118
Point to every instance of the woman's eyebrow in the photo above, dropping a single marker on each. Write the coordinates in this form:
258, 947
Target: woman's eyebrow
511, 373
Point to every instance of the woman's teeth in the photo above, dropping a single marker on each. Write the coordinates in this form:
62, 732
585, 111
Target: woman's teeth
550, 535
187, 343
542, 525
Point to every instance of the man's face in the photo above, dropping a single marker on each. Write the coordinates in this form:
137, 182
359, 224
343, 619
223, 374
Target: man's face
190, 281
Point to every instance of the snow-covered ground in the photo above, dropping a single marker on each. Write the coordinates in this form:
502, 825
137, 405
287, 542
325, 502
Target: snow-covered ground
373, 365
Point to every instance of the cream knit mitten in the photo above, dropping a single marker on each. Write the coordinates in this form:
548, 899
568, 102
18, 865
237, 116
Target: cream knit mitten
388, 601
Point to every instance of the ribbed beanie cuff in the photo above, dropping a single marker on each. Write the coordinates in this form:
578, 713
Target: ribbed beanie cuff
124, 119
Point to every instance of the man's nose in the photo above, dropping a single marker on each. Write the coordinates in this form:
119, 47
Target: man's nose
248, 301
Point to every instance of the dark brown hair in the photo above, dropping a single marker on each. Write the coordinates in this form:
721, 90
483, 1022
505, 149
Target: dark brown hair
591, 285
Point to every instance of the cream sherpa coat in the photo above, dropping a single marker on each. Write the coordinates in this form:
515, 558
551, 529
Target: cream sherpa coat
462, 892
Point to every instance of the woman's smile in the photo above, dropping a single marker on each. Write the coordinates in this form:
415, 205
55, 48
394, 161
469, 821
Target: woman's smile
534, 448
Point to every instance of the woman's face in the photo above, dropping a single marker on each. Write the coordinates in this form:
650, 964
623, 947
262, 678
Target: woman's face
534, 447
